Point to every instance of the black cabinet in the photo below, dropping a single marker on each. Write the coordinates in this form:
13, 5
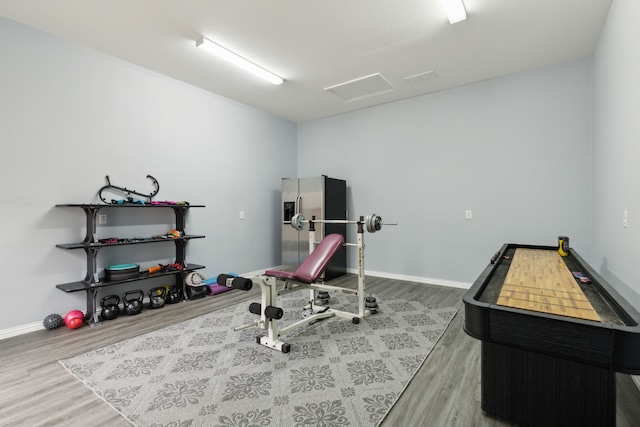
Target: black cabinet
92, 246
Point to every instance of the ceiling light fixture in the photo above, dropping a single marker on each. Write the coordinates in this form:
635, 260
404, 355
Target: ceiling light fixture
238, 60
455, 10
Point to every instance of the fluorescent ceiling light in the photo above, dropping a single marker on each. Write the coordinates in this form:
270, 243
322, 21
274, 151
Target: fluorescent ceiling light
239, 61
455, 10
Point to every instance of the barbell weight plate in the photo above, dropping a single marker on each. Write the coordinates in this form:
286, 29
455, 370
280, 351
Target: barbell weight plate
373, 223
298, 221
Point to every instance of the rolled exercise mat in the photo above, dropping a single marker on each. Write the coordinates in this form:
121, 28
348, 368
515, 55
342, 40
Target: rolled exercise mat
213, 288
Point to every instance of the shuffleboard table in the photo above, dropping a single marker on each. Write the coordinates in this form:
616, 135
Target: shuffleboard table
553, 334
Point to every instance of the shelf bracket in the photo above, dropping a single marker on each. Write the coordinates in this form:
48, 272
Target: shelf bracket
181, 213
92, 266
92, 307
181, 252
91, 212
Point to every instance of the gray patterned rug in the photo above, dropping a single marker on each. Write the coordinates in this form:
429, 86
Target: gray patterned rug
202, 373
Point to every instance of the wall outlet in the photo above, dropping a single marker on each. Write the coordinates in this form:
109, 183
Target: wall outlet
241, 214
468, 214
625, 223
102, 218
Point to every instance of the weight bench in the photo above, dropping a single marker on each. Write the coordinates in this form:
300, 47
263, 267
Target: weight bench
274, 283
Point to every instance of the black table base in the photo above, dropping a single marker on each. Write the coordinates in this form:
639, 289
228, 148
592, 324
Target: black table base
535, 389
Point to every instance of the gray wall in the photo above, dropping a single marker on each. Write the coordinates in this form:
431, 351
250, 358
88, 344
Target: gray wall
514, 150
616, 148
69, 116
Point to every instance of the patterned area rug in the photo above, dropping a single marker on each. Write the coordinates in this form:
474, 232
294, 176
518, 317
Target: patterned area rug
202, 373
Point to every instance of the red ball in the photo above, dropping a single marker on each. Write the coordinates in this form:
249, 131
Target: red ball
74, 319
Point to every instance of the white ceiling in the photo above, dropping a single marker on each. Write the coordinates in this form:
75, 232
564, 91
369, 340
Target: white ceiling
315, 44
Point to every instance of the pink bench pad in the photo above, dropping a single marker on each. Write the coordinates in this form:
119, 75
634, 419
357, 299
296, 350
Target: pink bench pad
312, 267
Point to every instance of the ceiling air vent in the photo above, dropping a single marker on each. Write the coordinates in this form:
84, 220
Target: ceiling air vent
422, 77
364, 87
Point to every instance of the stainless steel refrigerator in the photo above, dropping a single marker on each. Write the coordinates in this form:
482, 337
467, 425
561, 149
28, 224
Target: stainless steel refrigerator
324, 197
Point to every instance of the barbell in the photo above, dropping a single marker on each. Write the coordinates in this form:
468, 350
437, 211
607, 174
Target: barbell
372, 222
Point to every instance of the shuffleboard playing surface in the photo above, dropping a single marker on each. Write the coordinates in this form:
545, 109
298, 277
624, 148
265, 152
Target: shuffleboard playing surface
539, 280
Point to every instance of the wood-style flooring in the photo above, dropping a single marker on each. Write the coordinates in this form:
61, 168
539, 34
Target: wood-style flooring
35, 390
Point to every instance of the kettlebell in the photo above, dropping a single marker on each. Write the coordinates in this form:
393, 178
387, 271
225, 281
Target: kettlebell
173, 294
110, 308
132, 303
157, 297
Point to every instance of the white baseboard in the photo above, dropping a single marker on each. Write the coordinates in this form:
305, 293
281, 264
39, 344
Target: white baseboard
417, 279
403, 277
19, 330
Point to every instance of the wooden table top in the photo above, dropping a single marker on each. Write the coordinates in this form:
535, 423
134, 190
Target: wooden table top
539, 280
